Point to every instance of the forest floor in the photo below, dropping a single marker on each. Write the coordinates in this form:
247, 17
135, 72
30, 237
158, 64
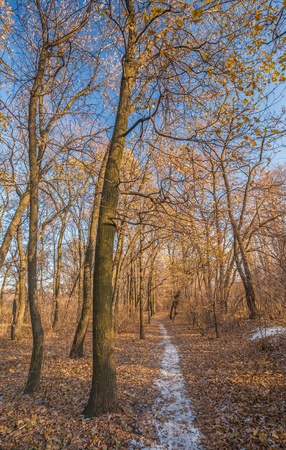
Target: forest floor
237, 389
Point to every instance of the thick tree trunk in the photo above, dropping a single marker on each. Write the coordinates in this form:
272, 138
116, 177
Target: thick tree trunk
103, 395
33, 381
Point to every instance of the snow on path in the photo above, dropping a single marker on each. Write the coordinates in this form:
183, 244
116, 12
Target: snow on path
265, 332
172, 411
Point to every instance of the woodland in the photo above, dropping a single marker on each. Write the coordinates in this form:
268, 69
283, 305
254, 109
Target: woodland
142, 182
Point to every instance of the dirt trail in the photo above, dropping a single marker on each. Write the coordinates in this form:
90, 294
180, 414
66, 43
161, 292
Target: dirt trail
172, 411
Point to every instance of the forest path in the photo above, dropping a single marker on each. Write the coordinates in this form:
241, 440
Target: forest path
237, 388
172, 411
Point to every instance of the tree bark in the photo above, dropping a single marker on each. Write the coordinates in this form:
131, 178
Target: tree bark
18, 318
149, 294
33, 381
36, 153
103, 395
5, 277
140, 290
245, 275
58, 273
241, 261
24, 202
79, 337
117, 273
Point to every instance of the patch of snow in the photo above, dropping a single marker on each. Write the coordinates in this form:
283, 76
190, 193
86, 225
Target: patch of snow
173, 416
264, 332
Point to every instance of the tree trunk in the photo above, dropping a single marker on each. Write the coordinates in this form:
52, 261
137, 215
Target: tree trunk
33, 381
117, 272
3, 288
153, 295
149, 294
140, 290
15, 308
215, 320
80, 267
18, 318
36, 153
79, 337
245, 275
58, 273
103, 395
24, 201
131, 293
241, 264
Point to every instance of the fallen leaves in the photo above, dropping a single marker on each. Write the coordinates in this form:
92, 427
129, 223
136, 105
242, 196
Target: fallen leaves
237, 388
51, 419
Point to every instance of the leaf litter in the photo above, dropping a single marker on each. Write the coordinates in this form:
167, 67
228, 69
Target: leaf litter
172, 411
237, 389
237, 385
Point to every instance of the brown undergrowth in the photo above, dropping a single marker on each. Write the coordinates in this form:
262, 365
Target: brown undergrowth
51, 419
237, 387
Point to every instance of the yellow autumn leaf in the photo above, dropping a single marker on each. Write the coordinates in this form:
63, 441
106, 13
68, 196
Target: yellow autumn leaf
157, 10
197, 13
263, 437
